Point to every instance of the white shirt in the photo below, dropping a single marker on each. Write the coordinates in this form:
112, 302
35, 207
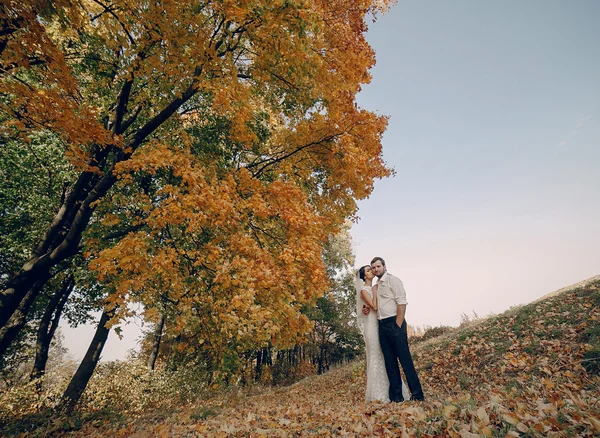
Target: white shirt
391, 294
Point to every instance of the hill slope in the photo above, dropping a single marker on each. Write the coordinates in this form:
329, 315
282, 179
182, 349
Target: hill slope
532, 371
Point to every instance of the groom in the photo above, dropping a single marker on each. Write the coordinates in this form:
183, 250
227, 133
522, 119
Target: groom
392, 333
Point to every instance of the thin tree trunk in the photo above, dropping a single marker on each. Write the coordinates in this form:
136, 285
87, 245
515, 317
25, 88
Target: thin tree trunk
48, 326
156, 341
258, 369
18, 319
320, 362
83, 374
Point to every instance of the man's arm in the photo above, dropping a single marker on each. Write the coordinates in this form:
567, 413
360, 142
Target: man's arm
400, 297
400, 314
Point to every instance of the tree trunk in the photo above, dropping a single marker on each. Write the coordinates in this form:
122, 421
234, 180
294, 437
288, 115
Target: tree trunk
258, 368
18, 319
156, 341
86, 368
60, 242
322, 364
63, 236
48, 326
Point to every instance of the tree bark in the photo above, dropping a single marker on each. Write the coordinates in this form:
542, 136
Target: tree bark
48, 326
18, 319
258, 369
60, 241
266, 359
83, 374
156, 341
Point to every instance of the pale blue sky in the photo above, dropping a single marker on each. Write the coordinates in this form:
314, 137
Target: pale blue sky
495, 136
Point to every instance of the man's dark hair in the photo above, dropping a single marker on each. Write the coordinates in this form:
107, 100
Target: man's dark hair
378, 259
361, 272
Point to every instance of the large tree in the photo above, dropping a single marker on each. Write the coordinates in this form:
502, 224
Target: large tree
123, 85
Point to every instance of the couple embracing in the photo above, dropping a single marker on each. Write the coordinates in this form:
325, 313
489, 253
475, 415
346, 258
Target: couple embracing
380, 312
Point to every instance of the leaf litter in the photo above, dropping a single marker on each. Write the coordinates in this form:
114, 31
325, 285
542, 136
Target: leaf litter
521, 373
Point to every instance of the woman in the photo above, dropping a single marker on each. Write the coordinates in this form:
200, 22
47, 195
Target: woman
377, 380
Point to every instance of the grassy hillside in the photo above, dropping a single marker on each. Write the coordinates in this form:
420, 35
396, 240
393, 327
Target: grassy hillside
532, 371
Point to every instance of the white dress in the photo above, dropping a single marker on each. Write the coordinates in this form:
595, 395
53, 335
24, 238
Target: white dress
378, 385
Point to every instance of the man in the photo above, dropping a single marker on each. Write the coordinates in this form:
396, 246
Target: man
392, 333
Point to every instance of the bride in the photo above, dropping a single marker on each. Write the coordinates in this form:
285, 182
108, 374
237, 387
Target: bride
377, 380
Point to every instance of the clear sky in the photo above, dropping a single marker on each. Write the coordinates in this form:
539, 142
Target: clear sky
495, 137
494, 133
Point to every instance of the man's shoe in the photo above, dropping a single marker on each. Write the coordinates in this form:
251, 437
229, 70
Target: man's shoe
419, 399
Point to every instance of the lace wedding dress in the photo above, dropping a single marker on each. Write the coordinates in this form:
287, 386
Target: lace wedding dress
377, 381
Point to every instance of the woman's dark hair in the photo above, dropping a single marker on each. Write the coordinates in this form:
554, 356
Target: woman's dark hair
361, 272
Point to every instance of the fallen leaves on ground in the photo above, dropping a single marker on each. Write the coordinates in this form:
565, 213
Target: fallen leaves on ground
516, 374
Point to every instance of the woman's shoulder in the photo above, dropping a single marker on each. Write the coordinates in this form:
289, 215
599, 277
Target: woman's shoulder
367, 288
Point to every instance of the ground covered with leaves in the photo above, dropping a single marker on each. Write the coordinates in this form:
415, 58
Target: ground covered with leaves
532, 371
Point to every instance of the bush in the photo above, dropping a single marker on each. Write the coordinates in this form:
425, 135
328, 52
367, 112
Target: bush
130, 387
432, 332
115, 389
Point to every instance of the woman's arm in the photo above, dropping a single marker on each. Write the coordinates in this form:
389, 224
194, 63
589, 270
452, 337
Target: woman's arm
372, 303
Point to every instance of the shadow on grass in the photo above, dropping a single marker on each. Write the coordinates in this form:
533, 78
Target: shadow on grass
48, 422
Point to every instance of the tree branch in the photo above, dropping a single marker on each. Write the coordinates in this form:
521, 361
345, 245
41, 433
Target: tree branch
110, 10
272, 161
122, 106
167, 112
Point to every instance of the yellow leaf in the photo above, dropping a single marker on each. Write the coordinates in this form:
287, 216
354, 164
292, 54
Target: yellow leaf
483, 416
510, 419
486, 431
449, 410
522, 427
466, 434
416, 412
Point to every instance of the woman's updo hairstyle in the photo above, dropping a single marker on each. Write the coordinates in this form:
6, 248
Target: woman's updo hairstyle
361, 272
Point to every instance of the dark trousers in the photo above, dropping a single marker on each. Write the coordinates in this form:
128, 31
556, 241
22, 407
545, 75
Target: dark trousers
394, 345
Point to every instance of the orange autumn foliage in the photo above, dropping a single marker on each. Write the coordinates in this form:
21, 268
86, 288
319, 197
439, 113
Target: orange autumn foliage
231, 232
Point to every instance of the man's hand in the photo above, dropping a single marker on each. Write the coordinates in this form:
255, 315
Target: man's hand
366, 309
401, 312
